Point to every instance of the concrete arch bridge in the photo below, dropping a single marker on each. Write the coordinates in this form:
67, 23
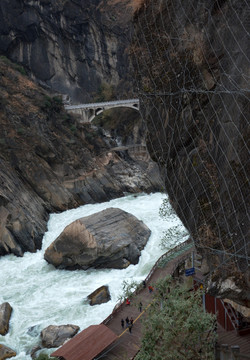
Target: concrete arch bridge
89, 111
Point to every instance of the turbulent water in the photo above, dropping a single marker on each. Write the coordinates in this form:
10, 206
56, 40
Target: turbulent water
41, 295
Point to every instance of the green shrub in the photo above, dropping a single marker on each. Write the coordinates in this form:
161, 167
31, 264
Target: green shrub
5, 60
45, 357
20, 69
21, 131
73, 128
176, 326
105, 93
52, 104
15, 66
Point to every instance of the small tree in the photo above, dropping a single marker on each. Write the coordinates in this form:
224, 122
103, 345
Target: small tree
128, 289
45, 357
176, 326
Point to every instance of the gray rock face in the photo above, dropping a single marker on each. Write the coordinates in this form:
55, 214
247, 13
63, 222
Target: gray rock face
50, 163
6, 352
70, 46
5, 314
99, 296
54, 336
198, 130
111, 238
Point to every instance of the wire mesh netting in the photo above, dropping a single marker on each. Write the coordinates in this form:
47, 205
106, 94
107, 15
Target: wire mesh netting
191, 64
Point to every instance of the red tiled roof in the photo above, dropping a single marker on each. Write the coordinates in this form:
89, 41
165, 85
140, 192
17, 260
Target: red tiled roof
87, 344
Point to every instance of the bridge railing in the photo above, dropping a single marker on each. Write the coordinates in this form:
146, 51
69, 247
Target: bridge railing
183, 246
102, 104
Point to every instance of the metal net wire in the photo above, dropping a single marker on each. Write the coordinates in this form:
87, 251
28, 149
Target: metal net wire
191, 70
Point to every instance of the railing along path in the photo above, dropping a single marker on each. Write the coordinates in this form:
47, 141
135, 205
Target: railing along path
168, 254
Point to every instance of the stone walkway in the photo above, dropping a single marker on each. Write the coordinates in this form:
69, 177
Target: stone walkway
128, 344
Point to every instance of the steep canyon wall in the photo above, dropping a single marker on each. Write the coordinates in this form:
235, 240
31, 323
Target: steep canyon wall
71, 46
192, 69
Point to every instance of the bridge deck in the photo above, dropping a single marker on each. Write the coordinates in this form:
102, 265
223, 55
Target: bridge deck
102, 104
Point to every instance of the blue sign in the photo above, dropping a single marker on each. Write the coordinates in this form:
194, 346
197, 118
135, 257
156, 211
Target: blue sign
189, 272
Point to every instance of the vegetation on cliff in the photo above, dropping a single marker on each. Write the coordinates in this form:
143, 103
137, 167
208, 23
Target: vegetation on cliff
176, 326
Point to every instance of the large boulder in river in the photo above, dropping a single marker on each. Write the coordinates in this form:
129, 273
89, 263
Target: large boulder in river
54, 336
5, 314
111, 238
6, 352
99, 296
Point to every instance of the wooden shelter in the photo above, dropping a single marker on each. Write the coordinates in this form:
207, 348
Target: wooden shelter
87, 344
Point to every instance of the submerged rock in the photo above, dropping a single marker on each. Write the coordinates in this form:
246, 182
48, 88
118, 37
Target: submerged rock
111, 238
99, 296
6, 352
34, 330
54, 336
5, 314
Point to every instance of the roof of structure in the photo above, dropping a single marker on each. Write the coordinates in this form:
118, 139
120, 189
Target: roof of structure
87, 344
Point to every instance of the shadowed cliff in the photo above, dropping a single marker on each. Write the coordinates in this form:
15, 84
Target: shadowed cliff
71, 46
50, 162
192, 69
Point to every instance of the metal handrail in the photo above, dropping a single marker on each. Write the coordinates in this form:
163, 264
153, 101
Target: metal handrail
168, 253
225, 349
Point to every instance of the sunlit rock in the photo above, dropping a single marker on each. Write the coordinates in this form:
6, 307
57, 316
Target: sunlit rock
6, 352
99, 296
5, 314
111, 238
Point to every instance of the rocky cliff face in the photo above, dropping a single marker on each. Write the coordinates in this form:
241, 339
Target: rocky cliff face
71, 46
191, 63
50, 162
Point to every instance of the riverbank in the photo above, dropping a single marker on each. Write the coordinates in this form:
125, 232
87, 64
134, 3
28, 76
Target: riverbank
42, 295
128, 343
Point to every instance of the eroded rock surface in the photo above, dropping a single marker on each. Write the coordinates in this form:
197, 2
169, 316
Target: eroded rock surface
197, 112
111, 238
5, 314
71, 46
99, 296
54, 336
50, 163
6, 352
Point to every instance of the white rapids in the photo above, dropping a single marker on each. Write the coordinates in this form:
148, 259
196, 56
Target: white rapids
41, 295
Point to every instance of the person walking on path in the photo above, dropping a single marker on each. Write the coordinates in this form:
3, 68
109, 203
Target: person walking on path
130, 328
131, 321
140, 306
122, 323
127, 321
150, 289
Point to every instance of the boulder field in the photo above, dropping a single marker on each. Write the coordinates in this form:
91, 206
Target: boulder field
111, 238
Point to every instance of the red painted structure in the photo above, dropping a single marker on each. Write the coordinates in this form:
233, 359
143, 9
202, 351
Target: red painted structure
87, 344
225, 317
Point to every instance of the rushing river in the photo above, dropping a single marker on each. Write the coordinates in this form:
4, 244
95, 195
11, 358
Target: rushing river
41, 295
